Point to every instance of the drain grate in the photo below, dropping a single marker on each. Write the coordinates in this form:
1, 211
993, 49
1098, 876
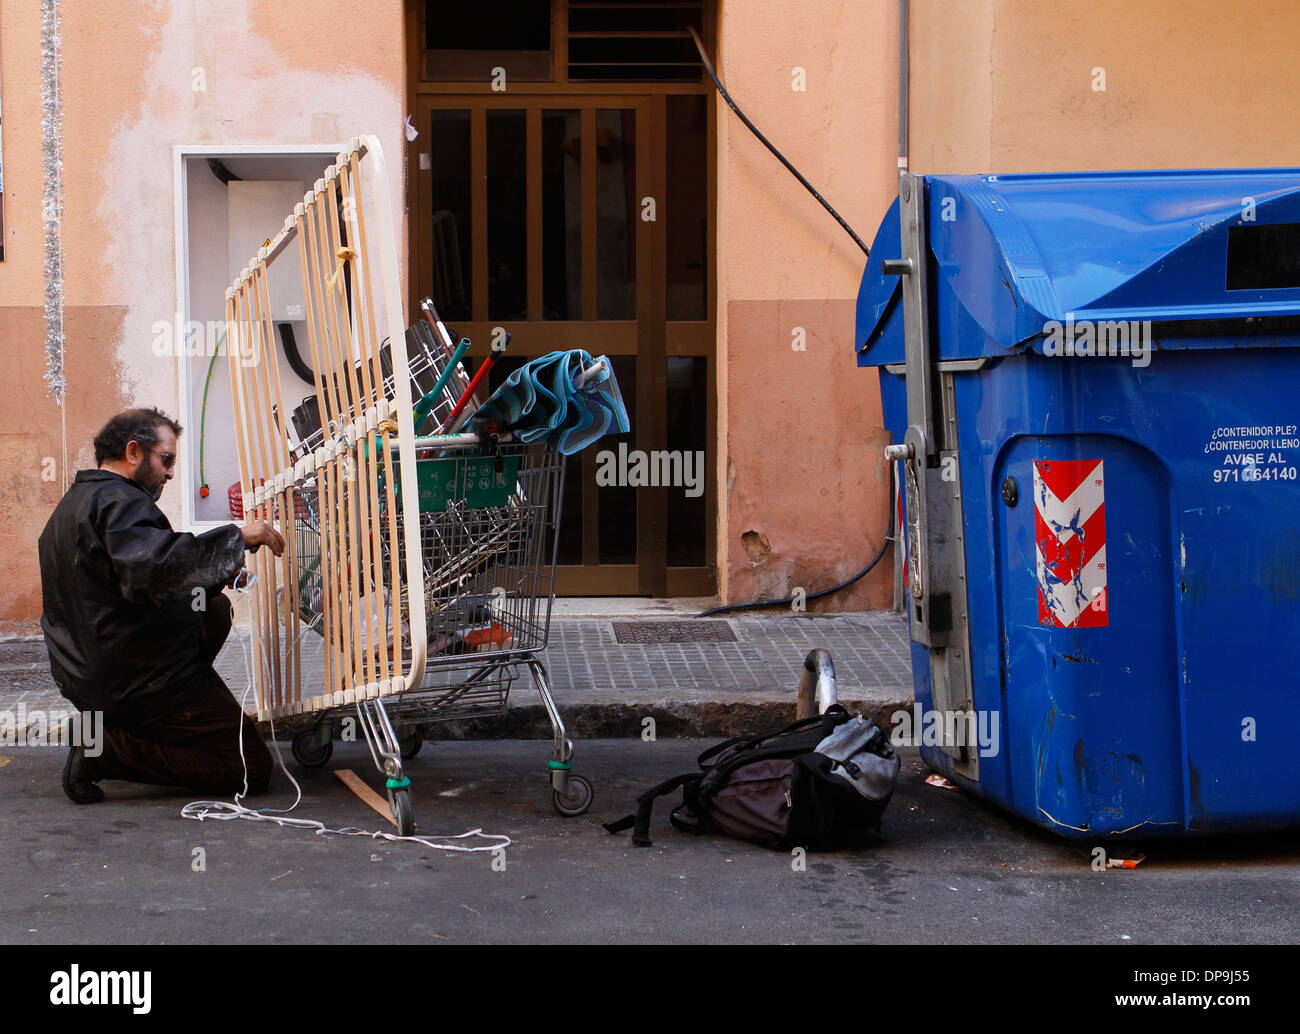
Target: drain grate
658, 632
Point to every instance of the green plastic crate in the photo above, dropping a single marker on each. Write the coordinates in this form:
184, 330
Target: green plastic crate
474, 479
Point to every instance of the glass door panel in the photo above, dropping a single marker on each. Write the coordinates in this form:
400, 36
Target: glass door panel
579, 221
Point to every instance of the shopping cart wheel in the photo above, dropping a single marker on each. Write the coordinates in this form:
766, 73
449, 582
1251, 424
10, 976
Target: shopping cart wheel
410, 740
403, 811
310, 751
578, 800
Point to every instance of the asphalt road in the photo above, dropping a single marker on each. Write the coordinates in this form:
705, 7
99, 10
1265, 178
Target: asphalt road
948, 869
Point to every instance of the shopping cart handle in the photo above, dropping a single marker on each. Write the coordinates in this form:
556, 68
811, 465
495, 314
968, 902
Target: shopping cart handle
464, 440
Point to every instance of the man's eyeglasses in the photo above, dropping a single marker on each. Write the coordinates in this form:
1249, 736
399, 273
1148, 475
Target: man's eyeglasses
168, 460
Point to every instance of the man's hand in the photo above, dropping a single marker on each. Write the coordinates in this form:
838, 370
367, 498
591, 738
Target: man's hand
259, 533
242, 579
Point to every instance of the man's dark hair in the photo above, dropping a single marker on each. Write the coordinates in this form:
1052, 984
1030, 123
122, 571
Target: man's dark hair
133, 425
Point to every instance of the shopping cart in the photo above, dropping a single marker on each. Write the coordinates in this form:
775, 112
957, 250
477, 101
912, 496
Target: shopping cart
424, 565
488, 524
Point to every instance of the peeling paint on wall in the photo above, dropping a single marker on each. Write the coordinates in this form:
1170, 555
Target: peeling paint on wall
212, 77
756, 547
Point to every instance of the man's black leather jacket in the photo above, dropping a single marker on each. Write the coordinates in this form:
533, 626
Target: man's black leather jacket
121, 620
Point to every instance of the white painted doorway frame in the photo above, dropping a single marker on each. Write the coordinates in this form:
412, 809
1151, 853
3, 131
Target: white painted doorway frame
182, 309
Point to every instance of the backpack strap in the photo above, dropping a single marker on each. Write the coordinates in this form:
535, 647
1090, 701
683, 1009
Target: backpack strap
640, 822
835, 715
691, 816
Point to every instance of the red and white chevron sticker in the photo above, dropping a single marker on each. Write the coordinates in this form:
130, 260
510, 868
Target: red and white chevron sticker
1070, 535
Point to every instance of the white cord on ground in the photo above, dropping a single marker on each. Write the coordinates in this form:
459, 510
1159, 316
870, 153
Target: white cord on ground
224, 811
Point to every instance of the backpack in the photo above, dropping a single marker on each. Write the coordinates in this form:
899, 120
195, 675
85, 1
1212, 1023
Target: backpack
821, 783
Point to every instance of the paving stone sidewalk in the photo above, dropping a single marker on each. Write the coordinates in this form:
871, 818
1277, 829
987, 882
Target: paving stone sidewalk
604, 687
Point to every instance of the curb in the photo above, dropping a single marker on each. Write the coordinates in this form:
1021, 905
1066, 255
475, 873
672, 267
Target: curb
672, 720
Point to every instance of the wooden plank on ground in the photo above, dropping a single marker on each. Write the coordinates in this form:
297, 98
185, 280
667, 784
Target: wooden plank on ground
359, 787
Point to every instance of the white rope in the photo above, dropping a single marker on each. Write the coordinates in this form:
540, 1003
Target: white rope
223, 811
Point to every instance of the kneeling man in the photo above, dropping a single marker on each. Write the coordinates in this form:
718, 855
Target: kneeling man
134, 617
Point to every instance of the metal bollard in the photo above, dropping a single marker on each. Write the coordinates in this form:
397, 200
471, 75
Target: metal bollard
816, 685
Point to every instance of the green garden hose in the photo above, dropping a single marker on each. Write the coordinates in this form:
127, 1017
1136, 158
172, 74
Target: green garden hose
203, 417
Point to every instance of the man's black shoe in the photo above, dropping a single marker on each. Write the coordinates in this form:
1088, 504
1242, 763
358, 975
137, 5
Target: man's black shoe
77, 784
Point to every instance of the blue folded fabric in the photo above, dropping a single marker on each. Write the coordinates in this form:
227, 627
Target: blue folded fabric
540, 401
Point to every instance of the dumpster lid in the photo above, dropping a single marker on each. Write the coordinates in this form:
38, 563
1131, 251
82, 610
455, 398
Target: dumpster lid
1017, 251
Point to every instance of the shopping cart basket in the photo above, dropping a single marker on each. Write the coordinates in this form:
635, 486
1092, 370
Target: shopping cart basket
423, 595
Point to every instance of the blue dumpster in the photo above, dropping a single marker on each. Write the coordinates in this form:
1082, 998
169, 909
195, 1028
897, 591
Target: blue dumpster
1092, 382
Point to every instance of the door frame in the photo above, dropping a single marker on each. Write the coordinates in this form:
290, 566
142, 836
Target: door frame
181, 241
650, 337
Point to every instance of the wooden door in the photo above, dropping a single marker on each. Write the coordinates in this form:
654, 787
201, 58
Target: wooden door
580, 220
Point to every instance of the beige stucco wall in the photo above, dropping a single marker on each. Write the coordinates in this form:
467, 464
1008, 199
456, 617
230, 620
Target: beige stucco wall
276, 72
802, 467
997, 86
1007, 86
